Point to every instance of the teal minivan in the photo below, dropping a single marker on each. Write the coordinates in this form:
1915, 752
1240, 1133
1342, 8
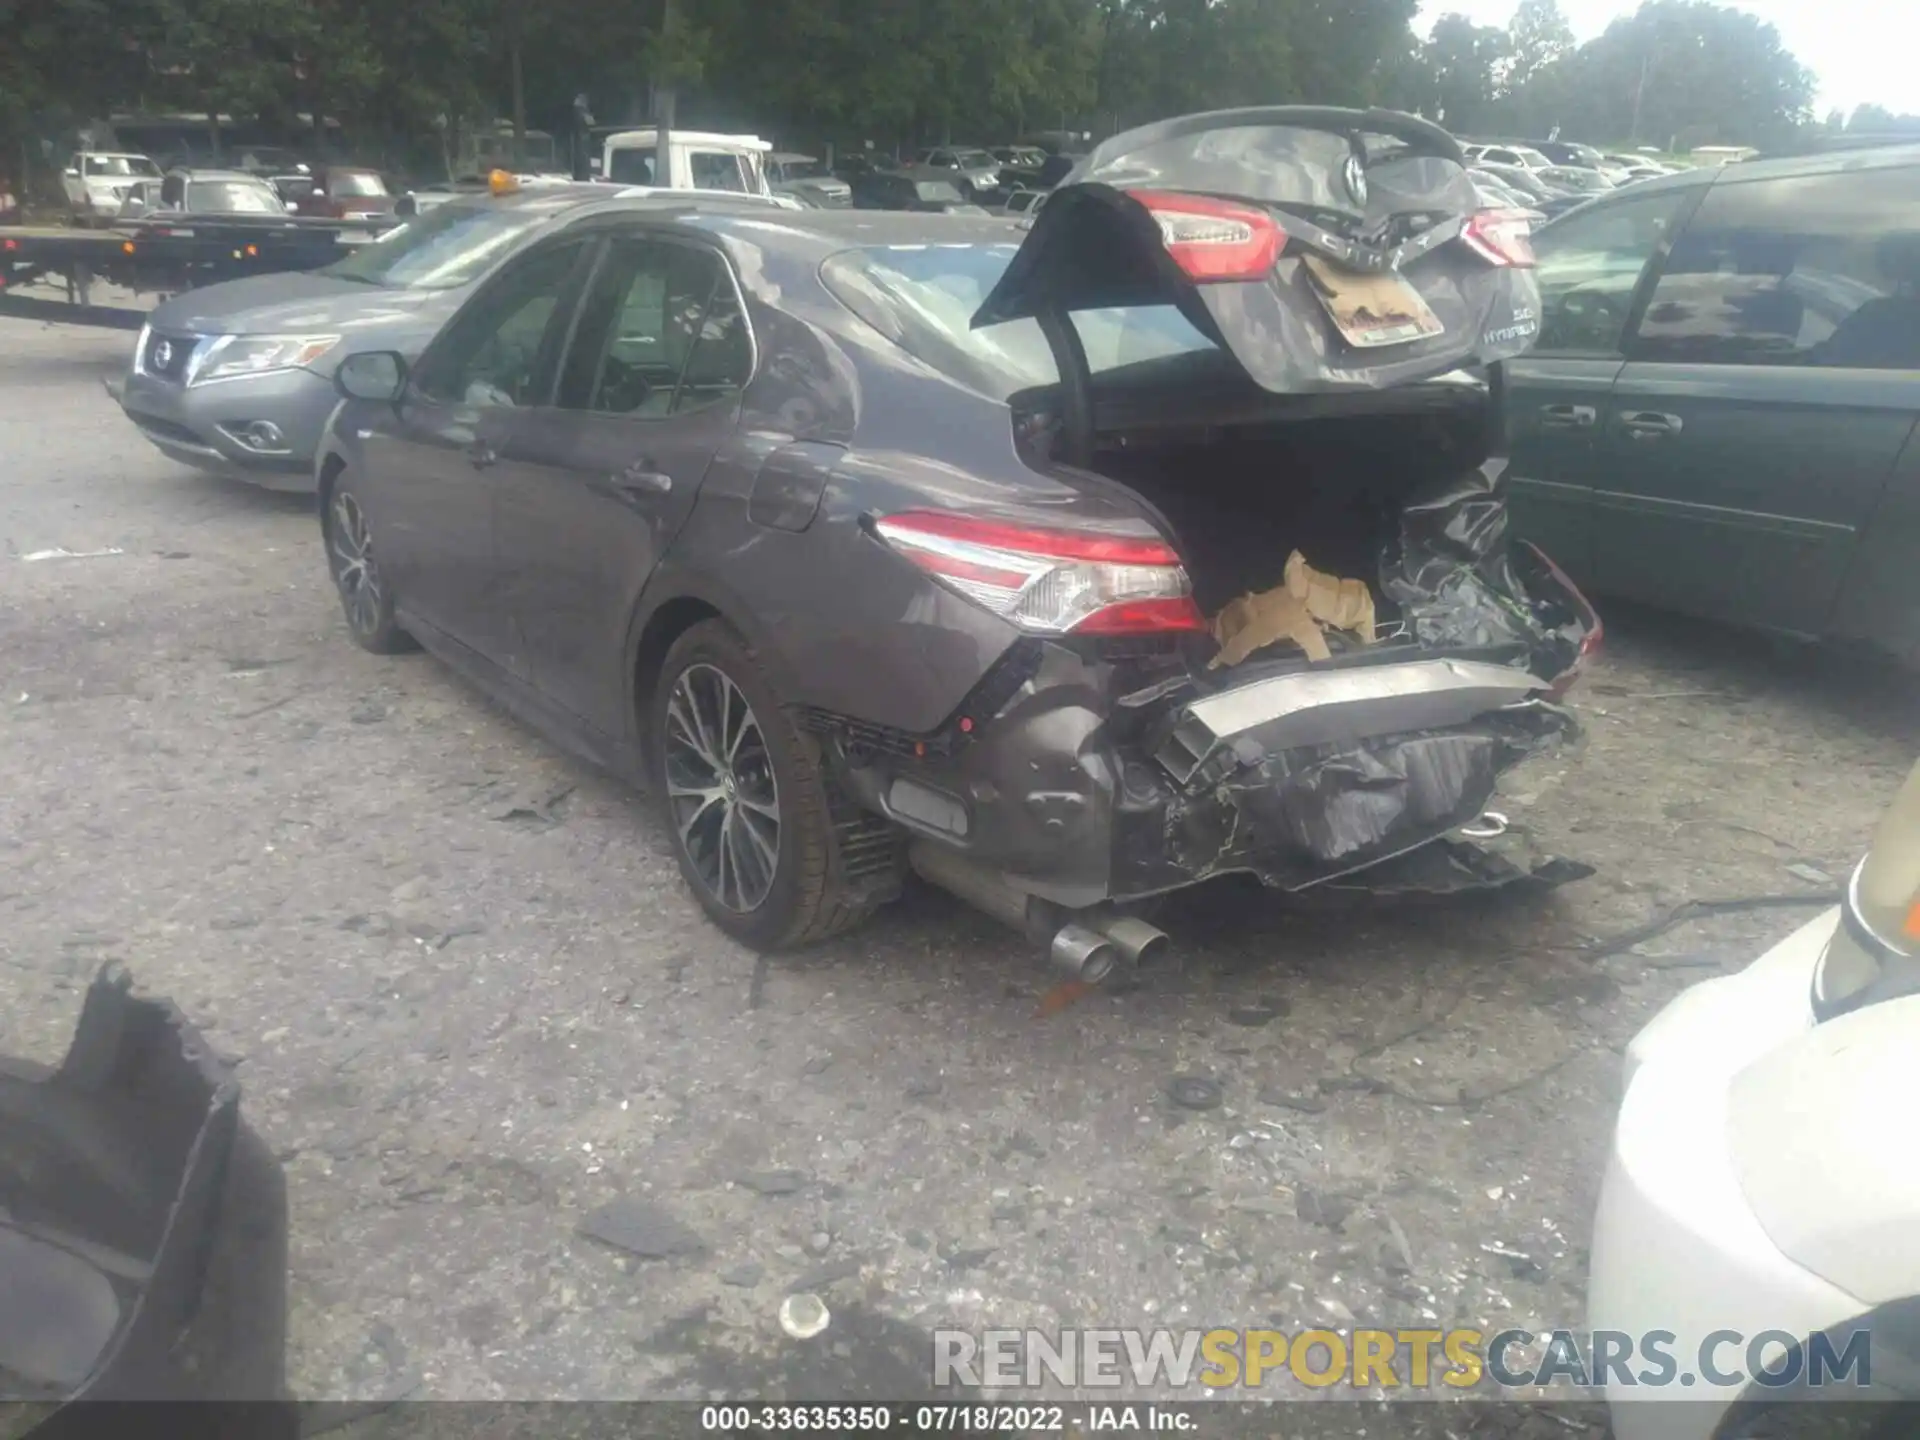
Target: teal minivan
1719, 417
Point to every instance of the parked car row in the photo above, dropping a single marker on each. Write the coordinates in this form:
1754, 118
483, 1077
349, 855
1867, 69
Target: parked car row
665, 472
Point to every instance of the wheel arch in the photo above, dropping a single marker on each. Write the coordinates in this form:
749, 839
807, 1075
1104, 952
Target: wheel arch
671, 605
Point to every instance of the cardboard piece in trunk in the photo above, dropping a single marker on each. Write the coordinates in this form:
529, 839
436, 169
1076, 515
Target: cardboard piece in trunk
1294, 610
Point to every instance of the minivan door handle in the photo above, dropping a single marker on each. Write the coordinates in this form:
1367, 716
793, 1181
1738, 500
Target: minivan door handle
1567, 417
641, 478
1648, 424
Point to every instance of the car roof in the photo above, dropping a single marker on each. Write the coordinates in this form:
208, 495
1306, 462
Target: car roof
194, 172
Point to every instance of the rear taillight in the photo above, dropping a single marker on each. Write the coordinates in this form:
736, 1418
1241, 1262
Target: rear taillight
1501, 237
1214, 239
1050, 582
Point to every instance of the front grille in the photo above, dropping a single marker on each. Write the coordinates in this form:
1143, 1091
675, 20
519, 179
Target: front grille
168, 357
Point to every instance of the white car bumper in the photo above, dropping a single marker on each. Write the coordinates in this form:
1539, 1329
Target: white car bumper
1676, 1247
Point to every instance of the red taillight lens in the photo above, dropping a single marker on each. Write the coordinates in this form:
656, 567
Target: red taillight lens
1501, 237
1214, 240
1050, 582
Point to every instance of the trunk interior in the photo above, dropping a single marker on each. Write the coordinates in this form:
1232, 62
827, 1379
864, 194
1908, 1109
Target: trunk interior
1239, 499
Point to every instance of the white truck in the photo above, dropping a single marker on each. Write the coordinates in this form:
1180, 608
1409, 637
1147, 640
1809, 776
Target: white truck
698, 160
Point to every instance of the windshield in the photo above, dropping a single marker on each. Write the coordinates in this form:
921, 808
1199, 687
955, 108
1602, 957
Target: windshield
356, 182
937, 192
235, 197
1576, 179
973, 159
1531, 157
799, 167
449, 246
923, 297
120, 165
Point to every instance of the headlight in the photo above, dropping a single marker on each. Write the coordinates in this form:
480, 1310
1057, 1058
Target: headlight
232, 356
1875, 954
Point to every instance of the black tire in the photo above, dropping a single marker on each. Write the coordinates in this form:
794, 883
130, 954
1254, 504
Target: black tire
804, 899
365, 598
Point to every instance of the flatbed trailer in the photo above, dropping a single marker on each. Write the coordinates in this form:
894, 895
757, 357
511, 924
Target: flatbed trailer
164, 255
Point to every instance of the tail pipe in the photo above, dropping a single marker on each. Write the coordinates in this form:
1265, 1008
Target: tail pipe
1087, 945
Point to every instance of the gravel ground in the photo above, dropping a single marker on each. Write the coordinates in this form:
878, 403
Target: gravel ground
472, 1002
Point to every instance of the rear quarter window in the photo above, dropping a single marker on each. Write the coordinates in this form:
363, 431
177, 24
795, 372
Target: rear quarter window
923, 298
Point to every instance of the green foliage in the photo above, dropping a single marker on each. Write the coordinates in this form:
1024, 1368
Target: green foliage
891, 71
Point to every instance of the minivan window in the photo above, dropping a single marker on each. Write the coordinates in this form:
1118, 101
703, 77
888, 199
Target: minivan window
1590, 265
923, 297
1822, 270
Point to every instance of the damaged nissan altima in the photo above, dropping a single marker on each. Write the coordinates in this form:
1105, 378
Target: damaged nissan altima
1066, 562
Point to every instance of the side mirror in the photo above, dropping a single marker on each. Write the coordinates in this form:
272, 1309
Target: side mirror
133, 205
372, 375
293, 207
71, 173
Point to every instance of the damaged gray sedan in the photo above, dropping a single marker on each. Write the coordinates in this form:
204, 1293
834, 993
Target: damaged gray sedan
1066, 562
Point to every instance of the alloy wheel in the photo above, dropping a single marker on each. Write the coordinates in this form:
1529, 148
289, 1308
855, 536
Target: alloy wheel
354, 571
721, 788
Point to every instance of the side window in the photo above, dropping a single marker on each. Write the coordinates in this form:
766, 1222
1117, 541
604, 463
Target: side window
496, 351
1590, 266
632, 167
1819, 271
662, 334
716, 170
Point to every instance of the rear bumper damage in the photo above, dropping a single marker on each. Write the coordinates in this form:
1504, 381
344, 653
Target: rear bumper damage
1083, 777
1079, 811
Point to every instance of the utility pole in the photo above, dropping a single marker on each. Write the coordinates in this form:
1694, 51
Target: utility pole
663, 101
1639, 96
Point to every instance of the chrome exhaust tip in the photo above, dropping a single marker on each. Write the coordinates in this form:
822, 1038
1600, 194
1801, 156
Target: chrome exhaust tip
1136, 940
1086, 955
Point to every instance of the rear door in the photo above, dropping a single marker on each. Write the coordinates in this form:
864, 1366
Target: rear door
1591, 267
598, 483
1770, 382
432, 461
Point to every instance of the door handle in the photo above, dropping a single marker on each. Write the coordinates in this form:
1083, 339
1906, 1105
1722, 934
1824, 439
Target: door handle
1647, 424
480, 455
640, 478
1567, 417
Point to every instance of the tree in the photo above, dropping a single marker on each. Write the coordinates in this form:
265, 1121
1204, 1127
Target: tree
1673, 69
1538, 36
1462, 63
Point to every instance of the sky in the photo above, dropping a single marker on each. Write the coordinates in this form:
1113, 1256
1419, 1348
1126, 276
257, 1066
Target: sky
1864, 51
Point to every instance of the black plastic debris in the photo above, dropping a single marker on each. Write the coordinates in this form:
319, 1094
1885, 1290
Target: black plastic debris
1195, 1092
143, 1228
641, 1228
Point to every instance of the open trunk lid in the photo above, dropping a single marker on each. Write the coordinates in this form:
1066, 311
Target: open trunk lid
1323, 249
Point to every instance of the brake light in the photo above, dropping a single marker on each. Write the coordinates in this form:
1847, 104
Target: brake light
1213, 240
1050, 582
1501, 237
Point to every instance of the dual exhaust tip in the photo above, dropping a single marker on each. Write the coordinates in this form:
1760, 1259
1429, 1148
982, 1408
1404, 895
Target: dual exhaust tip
1088, 947
1090, 955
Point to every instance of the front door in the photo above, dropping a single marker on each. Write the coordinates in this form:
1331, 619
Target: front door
599, 482
1770, 383
1591, 267
432, 510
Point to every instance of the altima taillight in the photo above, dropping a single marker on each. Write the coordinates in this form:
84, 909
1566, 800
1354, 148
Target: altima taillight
1212, 239
1050, 582
1501, 237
